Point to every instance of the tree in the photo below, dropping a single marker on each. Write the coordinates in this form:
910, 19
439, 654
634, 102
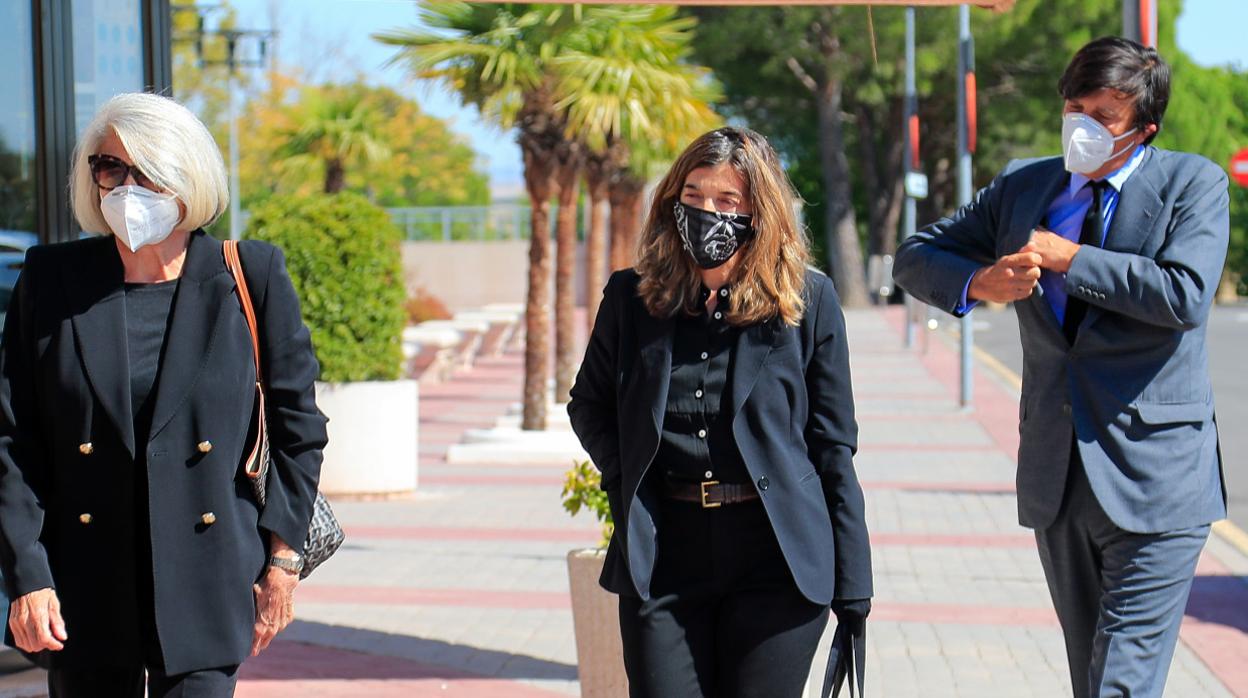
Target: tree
199, 54
628, 90
778, 63
496, 57
427, 164
562, 76
1020, 55
334, 129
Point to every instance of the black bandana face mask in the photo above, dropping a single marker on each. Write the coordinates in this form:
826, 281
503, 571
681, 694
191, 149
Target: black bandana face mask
712, 237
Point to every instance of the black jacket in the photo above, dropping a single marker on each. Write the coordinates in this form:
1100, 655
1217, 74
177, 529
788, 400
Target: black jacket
792, 418
67, 510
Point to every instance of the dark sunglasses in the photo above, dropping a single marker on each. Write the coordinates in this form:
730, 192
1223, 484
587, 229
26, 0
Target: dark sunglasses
109, 172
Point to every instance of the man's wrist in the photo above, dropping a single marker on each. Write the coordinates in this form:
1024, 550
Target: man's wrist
972, 295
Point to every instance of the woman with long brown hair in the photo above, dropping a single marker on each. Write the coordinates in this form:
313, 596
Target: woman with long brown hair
715, 398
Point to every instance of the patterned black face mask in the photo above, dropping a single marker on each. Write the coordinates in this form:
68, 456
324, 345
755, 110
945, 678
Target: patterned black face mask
711, 237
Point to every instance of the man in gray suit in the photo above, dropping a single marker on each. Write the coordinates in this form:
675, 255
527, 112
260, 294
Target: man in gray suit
1111, 254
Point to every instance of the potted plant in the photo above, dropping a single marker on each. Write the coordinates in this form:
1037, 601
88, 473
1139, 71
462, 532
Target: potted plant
595, 611
342, 253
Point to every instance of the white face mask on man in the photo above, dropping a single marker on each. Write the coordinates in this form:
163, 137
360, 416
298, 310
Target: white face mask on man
1087, 144
140, 216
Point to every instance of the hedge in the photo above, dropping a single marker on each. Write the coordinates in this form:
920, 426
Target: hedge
343, 256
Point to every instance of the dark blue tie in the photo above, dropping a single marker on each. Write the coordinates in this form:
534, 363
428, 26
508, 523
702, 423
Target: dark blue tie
1092, 233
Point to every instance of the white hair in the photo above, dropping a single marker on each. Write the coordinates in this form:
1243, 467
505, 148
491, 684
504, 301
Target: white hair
168, 143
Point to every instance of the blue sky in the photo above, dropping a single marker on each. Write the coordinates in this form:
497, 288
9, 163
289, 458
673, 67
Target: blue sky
330, 40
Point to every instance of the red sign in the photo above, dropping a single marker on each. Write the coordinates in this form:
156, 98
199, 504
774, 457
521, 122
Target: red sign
1239, 167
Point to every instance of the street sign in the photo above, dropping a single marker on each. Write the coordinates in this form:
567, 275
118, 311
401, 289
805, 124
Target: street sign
916, 185
1239, 167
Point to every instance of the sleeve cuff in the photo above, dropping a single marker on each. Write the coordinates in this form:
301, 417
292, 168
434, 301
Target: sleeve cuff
965, 304
30, 574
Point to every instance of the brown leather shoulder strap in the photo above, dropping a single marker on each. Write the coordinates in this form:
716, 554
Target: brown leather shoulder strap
235, 264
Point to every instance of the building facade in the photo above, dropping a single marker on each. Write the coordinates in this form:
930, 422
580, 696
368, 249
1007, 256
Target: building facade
59, 60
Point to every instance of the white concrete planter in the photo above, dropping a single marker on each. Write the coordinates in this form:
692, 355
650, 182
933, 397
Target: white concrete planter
596, 619
372, 436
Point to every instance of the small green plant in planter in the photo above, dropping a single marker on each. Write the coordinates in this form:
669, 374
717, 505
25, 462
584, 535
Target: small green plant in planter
343, 256
582, 491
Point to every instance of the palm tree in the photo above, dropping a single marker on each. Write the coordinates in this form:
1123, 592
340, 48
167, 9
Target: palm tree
335, 128
551, 73
627, 89
496, 57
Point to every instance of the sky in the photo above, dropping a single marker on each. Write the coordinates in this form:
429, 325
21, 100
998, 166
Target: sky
331, 40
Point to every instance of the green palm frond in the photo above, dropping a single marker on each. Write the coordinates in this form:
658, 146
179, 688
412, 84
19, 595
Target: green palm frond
333, 123
615, 74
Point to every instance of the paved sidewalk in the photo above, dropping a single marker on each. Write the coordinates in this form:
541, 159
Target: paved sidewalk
461, 590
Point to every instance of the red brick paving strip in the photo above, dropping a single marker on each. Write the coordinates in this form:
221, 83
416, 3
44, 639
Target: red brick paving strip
1221, 644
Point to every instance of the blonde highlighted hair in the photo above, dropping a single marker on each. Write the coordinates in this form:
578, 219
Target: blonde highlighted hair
168, 144
768, 280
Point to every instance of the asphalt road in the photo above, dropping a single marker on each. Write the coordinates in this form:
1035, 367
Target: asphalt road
996, 332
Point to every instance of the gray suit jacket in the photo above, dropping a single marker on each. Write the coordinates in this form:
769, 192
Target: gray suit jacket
1134, 386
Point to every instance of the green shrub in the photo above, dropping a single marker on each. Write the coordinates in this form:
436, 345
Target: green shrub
343, 256
582, 490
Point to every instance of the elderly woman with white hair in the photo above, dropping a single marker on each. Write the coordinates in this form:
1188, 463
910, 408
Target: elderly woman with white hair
130, 541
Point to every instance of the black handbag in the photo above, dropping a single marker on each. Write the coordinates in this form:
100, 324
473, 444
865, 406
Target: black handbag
325, 534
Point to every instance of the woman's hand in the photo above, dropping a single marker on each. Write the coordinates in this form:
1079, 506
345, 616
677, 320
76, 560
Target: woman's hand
275, 606
35, 619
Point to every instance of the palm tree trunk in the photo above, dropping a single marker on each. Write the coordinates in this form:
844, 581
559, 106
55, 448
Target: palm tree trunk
538, 181
595, 241
568, 177
335, 176
625, 196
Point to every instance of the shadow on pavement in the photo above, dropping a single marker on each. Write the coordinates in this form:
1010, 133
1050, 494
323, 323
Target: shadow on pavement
316, 651
1220, 599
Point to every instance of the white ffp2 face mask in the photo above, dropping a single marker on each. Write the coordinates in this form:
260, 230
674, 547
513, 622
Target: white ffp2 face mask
1087, 144
140, 216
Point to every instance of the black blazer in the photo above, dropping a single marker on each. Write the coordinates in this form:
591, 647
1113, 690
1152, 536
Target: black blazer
792, 418
67, 510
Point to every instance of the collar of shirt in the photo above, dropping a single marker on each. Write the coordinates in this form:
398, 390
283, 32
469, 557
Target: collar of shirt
1116, 179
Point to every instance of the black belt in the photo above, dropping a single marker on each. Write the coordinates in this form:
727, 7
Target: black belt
710, 494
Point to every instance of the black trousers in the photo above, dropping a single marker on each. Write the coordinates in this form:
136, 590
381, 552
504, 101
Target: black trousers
128, 682
725, 618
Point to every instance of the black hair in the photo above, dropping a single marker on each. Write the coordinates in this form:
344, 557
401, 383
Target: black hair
1124, 66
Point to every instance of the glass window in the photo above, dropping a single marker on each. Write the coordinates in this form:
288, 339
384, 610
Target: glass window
108, 53
17, 119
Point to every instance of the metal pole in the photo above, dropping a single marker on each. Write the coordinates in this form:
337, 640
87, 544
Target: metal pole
1139, 21
966, 67
908, 212
236, 227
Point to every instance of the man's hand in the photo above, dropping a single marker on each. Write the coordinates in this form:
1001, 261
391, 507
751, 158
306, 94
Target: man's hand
1056, 252
1011, 278
35, 619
